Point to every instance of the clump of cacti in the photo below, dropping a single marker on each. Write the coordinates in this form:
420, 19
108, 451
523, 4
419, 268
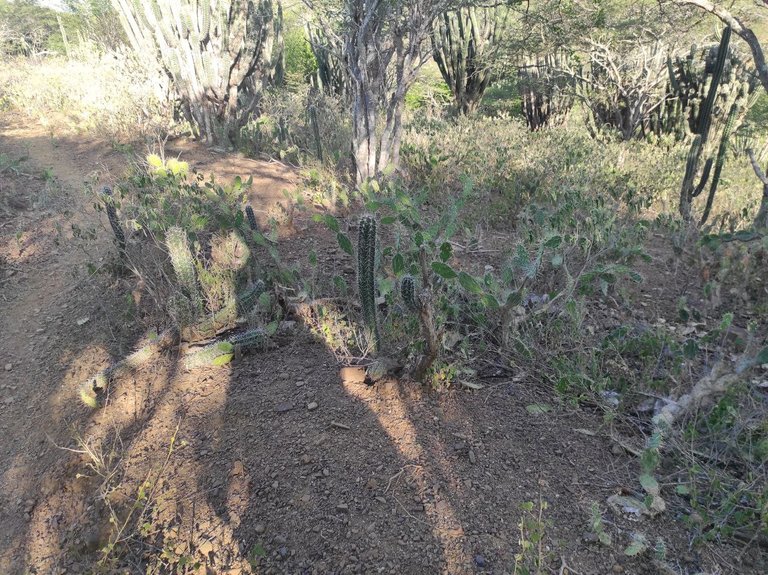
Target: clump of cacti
408, 292
366, 276
183, 263
545, 90
114, 222
703, 120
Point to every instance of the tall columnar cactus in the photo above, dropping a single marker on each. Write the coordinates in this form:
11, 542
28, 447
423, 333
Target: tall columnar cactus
719, 162
219, 53
366, 276
545, 90
183, 263
331, 76
464, 43
703, 125
114, 222
408, 292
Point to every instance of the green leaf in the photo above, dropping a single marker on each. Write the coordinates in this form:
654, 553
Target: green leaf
515, 298
553, 242
312, 257
446, 251
271, 328
341, 284
469, 283
443, 270
344, 243
388, 220
489, 301
331, 222
418, 239
557, 260
682, 490
639, 545
398, 264
762, 357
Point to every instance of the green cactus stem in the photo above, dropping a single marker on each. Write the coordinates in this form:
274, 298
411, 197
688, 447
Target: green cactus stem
408, 293
251, 217
366, 276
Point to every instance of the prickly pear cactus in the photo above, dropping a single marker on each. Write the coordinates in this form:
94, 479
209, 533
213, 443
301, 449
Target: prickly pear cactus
408, 292
117, 229
366, 275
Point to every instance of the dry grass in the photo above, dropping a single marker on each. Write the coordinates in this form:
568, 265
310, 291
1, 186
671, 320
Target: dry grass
110, 95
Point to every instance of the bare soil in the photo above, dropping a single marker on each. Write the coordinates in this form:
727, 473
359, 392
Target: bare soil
227, 470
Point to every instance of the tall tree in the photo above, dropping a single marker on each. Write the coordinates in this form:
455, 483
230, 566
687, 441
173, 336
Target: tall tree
219, 53
383, 45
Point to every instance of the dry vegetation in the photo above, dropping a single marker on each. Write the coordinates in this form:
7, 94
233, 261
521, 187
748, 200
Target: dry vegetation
507, 354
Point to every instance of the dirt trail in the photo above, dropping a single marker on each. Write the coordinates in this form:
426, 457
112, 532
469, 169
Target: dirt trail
229, 468
58, 323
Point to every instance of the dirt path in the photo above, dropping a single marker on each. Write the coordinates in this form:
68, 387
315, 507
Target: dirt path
229, 469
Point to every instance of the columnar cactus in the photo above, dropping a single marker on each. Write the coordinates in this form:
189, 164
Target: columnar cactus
183, 264
464, 44
117, 229
366, 275
251, 217
703, 125
219, 53
408, 292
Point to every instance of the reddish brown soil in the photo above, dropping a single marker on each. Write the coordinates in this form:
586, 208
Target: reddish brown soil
230, 468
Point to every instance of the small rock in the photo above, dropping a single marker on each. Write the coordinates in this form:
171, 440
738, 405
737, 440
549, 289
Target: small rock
589, 537
480, 561
342, 508
472, 457
284, 407
282, 553
312, 406
260, 528
617, 568
8, 366
83, 320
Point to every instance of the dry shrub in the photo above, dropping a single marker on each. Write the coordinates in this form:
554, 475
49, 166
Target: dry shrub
111, 94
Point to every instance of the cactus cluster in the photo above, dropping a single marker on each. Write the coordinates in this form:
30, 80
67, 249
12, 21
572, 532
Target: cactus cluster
366, 275
331, 76
545, 91
219, 53
114, 222
464, 43
725, 99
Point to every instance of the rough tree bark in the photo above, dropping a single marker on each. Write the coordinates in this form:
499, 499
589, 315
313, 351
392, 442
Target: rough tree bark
383, 44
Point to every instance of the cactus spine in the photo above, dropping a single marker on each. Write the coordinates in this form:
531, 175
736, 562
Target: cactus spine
114, 222
408, 292
366, 276
184, 267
